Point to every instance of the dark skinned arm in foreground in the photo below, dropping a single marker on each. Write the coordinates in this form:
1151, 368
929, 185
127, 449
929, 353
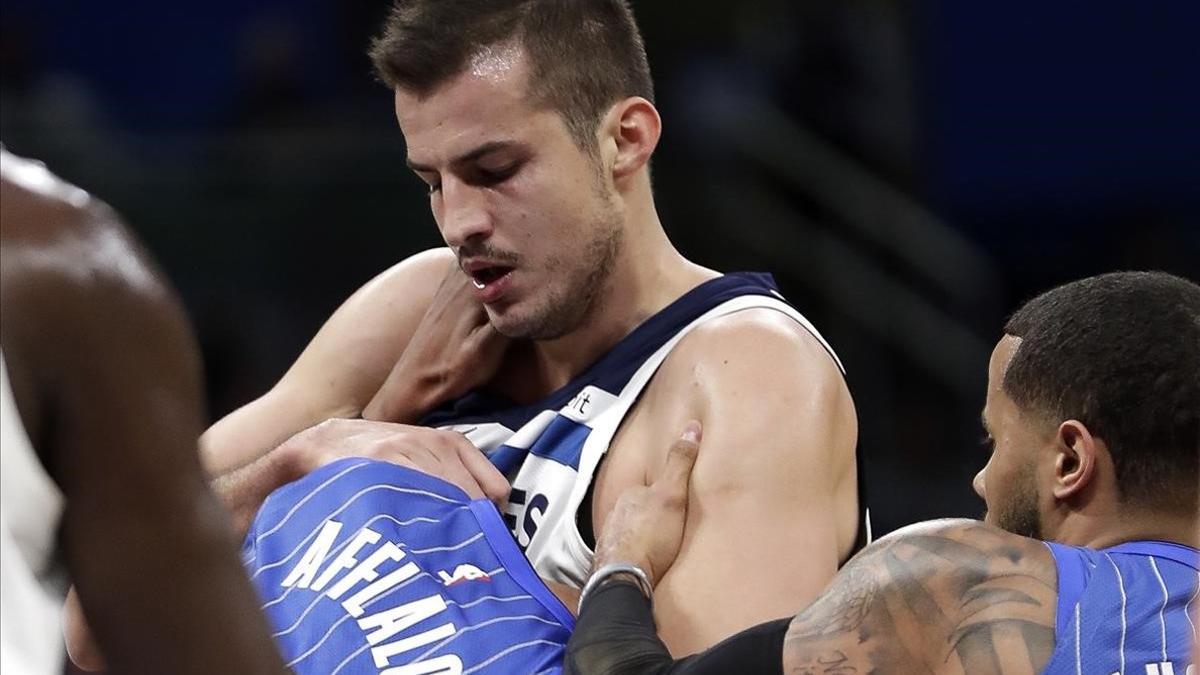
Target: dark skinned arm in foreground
108, 381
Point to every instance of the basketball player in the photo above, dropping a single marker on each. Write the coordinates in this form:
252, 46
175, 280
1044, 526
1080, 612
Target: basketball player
1085, 563
532, 124
100, 395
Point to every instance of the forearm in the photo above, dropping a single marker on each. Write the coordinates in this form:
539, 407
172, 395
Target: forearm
244, 490
615, 635
404, 398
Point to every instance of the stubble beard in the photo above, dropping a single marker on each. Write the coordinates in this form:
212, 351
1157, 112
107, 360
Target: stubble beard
1019, 513
570, 305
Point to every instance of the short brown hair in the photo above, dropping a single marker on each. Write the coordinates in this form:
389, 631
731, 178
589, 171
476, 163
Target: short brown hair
584, 55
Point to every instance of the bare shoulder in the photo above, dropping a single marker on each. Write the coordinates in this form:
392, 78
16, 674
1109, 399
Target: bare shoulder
30, 189
79, 295
51, 226
948, 596
360, 342
762, 385
752, 352
764, 363
967, 529
410, 280
65, 251
979, 547
378, 319
761, 333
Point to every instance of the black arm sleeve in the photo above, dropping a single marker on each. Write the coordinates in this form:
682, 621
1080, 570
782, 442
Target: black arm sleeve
615, 635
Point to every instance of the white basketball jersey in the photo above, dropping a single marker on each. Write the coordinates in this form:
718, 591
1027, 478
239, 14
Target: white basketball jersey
31, 590
551, 451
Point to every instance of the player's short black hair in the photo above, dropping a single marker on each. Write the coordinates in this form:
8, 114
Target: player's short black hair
584, 55
1119, 352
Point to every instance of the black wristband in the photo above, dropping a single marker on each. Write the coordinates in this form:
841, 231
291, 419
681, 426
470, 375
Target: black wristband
615, 633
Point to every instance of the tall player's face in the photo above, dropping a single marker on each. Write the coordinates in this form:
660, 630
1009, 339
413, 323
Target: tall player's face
530, 215
1008, 482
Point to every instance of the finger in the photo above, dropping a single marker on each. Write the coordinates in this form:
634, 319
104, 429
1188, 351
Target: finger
483, 335
493, 483
432, 456
453, 470
680, 460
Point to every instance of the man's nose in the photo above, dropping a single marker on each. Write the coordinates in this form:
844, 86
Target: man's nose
465, 214
979, 483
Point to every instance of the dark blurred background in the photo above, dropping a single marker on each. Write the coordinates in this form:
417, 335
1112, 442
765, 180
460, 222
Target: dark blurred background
908, 171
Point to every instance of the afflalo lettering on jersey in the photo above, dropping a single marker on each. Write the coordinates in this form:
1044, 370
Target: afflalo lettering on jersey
390, 629
550, 450
365, 566
1125, 610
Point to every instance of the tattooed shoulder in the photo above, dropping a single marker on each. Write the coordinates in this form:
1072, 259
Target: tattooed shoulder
941, 597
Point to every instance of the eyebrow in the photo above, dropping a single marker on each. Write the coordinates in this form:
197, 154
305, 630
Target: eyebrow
469, 156
984, 422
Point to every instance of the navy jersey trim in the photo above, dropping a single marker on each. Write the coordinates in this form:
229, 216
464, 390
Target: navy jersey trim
611, 371
500, 538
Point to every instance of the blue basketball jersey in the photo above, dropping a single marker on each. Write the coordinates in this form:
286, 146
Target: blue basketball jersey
1124, 609
369, 567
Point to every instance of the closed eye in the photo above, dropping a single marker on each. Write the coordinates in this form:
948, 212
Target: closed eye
492, 177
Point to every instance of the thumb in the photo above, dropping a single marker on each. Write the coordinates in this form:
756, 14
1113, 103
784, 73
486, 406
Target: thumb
681, 458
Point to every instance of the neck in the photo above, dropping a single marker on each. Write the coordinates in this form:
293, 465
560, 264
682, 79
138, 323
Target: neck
1126, 524
647, 275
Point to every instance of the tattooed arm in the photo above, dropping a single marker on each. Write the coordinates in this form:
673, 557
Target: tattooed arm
939, 597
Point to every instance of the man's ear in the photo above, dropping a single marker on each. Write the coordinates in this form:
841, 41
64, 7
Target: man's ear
634, 126
1075, 459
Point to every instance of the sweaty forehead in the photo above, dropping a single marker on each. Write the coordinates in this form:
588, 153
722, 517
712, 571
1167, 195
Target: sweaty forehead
485, 103
495, 62
1002, 355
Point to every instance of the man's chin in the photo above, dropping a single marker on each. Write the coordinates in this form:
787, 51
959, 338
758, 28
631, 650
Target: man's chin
514, 327
519, 323
1024, 525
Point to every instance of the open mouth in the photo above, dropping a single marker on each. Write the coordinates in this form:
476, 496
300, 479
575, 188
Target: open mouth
486, 275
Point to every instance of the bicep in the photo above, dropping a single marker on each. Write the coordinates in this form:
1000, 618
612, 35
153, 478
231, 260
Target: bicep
772, 494
741, 564
341, 368
759, 544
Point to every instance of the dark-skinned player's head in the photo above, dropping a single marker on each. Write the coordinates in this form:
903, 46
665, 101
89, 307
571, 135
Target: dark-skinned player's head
1094, 390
